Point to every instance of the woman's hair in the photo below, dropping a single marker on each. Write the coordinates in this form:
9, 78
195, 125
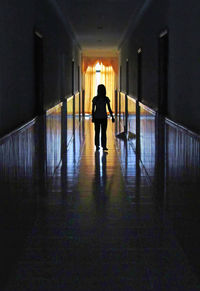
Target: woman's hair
101, 90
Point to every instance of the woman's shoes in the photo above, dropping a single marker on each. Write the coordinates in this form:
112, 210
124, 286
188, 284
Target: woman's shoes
105, 149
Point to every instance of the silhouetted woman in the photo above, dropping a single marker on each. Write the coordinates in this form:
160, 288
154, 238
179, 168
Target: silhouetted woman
99, 115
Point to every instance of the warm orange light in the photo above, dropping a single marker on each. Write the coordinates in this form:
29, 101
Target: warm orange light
106, 61
98, 67
95, 75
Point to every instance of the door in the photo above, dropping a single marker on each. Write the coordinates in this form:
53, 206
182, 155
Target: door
39, 82
163, 73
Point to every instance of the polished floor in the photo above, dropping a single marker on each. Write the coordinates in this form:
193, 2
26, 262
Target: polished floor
76, 219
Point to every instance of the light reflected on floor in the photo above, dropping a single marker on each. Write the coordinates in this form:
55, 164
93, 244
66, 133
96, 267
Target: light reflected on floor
77, 219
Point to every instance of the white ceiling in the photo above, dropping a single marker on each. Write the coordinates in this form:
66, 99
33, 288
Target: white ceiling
100, 24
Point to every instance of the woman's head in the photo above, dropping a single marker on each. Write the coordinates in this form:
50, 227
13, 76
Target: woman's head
101, 90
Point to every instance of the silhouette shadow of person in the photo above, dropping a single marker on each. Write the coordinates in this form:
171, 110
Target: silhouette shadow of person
99, 116
100, 183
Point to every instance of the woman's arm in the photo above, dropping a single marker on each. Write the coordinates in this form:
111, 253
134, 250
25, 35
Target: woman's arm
110, 110
93, 106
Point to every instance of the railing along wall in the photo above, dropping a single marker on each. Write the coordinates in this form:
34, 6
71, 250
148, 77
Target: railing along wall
169, 155
52, 127
152, 129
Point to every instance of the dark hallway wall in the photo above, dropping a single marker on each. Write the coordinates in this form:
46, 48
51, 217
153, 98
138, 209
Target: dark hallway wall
144, 36
17, 70
16, 58
184, 66
181, 18
59, 50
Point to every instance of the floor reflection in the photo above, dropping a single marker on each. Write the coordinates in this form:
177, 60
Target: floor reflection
73, 218
100, 188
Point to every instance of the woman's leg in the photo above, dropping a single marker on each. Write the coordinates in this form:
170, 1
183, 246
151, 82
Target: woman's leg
103, 132
97, 131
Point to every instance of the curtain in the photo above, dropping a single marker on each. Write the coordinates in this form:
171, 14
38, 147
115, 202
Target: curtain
90, 88
107, 77
106, 61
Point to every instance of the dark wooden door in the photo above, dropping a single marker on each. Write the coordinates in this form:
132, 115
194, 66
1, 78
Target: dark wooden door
39, 74
163, 73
